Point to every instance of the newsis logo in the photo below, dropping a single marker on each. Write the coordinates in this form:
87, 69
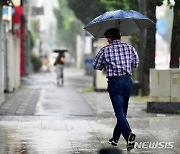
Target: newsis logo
154, 145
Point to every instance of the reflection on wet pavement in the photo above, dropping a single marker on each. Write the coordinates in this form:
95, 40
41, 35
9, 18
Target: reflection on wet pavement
83, 135
48, 136
68, 120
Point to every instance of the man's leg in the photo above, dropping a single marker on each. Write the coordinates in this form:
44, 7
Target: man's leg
127, 93
116, 91
117, 129
117, 132
58, 73
128, 88
62, 75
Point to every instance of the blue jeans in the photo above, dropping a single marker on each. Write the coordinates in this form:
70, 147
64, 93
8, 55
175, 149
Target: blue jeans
119, 89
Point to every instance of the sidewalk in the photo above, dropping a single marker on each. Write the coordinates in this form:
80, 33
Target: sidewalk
44, 118
23, 102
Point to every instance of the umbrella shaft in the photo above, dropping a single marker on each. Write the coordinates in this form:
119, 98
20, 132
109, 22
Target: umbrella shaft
119, 25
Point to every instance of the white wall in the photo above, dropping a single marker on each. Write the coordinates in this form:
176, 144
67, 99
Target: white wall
165, 85
9, 56
13, 62
17, 62
16, 2
88, 45
79, 51
1, 59
100, 77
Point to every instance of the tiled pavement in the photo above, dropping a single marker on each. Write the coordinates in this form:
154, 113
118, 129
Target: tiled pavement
21, 103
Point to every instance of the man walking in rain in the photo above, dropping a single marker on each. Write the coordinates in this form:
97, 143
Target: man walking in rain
117, 59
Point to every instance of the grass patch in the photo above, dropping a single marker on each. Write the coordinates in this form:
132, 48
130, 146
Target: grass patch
143, 99
89, 89
144, 110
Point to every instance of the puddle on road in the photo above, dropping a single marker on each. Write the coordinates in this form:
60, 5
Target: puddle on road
47, 136
51, 135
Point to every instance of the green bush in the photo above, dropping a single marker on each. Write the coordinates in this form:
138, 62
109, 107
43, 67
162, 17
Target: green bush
36, 63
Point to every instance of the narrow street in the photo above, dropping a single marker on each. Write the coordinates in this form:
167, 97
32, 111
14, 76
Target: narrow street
43, 118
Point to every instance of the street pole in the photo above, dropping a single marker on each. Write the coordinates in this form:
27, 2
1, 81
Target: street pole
1, 57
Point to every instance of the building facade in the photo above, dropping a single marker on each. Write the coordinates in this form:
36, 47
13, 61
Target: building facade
14, 45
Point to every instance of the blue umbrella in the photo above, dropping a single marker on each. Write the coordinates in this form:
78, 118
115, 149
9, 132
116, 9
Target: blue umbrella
128, 22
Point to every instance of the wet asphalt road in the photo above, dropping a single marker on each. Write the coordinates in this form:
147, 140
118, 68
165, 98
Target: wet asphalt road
42, 118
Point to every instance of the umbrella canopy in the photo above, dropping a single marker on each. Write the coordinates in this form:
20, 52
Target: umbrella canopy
60, 50
128, 22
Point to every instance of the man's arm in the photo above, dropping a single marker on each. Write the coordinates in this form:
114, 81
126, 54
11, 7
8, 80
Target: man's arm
99, 60
135, 61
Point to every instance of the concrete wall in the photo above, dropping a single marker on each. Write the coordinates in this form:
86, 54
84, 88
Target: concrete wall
79, 51
165, 85
1, 58
100, 81
17, 50
164, 91
12, 63
9, 57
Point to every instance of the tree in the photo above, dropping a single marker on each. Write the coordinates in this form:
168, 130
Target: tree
68, 26
147, 44
130, 4
113, 4
86, 10
175, 40
121, 4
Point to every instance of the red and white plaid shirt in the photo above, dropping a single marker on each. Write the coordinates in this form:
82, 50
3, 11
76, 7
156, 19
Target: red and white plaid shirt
117, 58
